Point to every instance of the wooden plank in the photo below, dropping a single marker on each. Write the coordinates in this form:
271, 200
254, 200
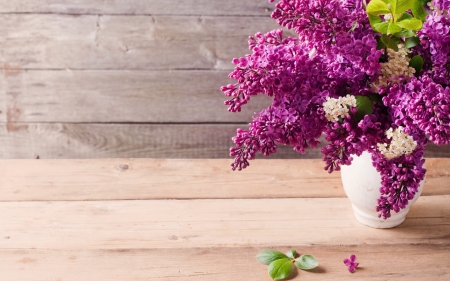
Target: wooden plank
107, 179
42, 41
130, 224
139, 7
80, 141
122, 96
127, 179
377, 262
59, 140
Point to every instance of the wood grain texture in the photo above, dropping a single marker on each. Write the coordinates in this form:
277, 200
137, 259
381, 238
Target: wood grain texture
121, 96
380, 262
132, 224
138, 7
143, 179
125, 42
59, 140
79, 141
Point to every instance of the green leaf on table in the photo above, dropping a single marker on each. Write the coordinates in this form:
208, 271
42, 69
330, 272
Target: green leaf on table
306, 262
291, 254
417, 63
268, 256
377, 7
412, 42
364, 105
390, 42
419, 11
281, 269
398, 7
411, 24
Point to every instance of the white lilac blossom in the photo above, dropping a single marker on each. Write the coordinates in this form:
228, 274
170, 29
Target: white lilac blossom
337, 109
400, 144
400, 78
396, 69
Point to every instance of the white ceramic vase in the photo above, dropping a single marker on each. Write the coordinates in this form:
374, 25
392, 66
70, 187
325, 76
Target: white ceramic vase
361, 184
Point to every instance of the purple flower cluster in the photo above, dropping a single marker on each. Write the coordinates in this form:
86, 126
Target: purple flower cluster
400, 179
352, 137
435, 42
336, 53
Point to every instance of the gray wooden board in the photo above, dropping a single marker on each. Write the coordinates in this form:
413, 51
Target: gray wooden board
120, 96
137, 7
49, 41
56, 140
59, 140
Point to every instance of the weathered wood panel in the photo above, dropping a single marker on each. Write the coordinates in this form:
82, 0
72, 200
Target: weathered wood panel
56, 140
160, 224
125, 42
138, 7
127, 179
120, 96
380, 262
70, 140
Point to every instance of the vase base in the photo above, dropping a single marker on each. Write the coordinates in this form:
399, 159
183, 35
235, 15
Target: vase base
374, 221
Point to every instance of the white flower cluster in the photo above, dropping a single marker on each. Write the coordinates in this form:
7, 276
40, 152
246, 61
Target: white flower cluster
338, 108
397, 66
401, 143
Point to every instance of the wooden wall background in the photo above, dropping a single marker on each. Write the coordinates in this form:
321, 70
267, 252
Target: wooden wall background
125, 78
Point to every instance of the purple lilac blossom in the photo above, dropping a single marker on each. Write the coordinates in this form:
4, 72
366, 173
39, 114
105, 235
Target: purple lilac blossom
351, 263
400, 179
334, 54
435, 42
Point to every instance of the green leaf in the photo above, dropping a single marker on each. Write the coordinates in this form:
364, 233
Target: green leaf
419, 11
411, 24
417, 63
387, 28
400, 6
405, 33
364, 105
268, 256
390, 42
306, 262
281, 269
393, 28
380, 45
376, 98
374, 19
404, 16
381, 27
291, 254
377, 7
412, 42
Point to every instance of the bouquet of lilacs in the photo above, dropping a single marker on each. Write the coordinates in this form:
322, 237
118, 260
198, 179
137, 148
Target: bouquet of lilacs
369, 76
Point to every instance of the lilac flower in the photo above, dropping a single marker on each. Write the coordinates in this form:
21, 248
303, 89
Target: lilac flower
335, 54
435, 42
351, 263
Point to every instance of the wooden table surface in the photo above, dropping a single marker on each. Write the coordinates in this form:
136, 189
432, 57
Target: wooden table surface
158, 219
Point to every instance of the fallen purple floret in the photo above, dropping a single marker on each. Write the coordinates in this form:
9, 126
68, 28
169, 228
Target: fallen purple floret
351, 263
